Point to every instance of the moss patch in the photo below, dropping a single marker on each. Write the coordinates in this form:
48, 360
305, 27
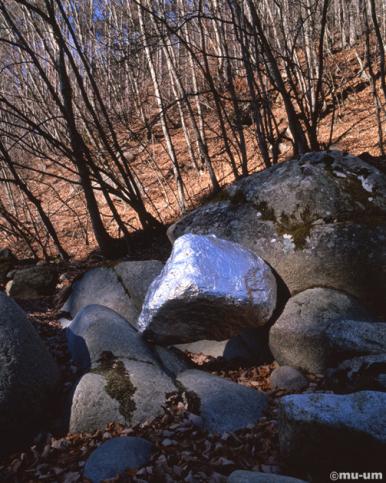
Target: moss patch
118, 383
298, 230
267, 213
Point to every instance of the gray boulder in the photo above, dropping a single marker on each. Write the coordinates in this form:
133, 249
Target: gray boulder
116, 456
172, 360
223, 405
100, 285
332, 432
136, 278
28, 377
298, 338
98, 331
250, 346
119, 390
92, 407
358, 374
318, 221
241, 476
33, 282
288, 378
209, 289
350, 338
121, 288
7, 262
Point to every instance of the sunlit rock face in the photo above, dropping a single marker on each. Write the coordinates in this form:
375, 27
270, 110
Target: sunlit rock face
329, 431
209, 289
319, 221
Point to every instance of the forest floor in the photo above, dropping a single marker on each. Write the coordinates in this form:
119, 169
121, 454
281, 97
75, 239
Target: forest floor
193, 455
182, 451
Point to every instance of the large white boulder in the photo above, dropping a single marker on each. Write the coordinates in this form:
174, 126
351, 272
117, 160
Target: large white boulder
209, 289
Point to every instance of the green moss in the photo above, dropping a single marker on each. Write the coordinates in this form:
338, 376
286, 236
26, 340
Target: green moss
267, 213
370, 214
118, 384
299, 230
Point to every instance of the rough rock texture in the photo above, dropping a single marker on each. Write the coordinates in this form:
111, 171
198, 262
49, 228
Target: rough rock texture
28, 376
359, 373
350, 338
318, 221
121, 288
100, 285
250, 346
115, 457
33, 282
123, 391
92, 407
136, 277
333, 431
288, 378
223, 405
209, 289
97, 331
240, 476
298, 338
7, 262
172, 360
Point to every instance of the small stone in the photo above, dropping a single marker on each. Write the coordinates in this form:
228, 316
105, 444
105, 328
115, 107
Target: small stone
288, 378
116, 456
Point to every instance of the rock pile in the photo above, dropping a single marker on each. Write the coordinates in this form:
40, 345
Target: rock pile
316, 226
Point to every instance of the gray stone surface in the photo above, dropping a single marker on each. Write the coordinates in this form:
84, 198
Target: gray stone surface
101, 286
318, 221
209, 289
288, 378
136, 277
116, 456
223, 405
359, 373
92, 407
123, 391
250, 346
328, 431
172, 360
241, 476
97, 330
121, 288
33, 282
298, 338
350, 338
28, 376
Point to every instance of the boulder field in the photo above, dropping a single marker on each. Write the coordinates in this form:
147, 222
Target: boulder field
288, 264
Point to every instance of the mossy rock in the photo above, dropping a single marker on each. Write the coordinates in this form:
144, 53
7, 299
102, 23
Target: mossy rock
119, 390
318, 221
